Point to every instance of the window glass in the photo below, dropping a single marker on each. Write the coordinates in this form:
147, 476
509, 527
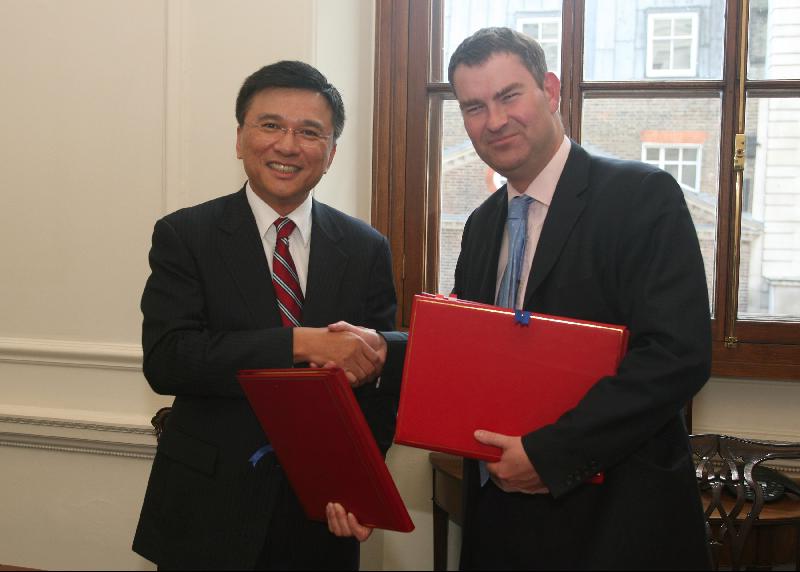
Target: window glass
682, 138
769, 262
466, 181
541, 19
680, 161
546, 31
653, 39
672, 44
773, 40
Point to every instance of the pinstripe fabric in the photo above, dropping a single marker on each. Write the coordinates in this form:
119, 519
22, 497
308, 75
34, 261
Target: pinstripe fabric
284, 277
209, 310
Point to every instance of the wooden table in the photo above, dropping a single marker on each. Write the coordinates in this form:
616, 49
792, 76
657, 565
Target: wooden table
446, 502
774, 539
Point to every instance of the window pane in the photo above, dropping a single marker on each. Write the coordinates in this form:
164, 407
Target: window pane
550, 31
671, 154
652, 154
622, 127
661, 51
531, 29
773, 40
626, 38
550, 53
662, 28
769, 261
682, 54
465, 183
540, 19
690, 154
683, 27
672, 169
689, 176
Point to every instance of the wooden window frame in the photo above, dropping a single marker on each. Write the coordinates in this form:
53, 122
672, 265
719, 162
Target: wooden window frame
405, 205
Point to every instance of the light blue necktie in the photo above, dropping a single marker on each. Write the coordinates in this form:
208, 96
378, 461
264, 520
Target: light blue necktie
517, 227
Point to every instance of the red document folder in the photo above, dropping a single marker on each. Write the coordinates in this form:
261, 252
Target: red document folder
324, 444
473, 366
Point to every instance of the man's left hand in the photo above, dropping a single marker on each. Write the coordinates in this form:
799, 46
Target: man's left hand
513, 473
342, 523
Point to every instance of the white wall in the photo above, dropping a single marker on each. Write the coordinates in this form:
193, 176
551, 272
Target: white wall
114, 113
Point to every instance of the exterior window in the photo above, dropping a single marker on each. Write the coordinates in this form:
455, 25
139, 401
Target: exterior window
672, 44
547, 31
680, 161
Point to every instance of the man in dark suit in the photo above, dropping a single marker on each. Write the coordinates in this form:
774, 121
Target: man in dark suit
609, 241
252, 280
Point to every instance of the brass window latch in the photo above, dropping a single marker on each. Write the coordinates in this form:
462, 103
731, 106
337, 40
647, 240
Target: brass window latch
738, 153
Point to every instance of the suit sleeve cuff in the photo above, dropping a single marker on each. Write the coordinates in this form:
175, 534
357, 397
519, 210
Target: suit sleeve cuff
560, 468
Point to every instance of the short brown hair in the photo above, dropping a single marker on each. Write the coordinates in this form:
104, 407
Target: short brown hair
486, 42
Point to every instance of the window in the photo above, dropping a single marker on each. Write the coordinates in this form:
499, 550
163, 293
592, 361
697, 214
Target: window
713, 94
680, 161
546, 31
672, 44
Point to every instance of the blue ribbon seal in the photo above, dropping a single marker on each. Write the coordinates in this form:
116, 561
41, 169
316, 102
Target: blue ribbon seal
522, 317
256, 457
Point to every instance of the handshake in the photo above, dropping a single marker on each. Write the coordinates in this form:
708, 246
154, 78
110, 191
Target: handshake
360, 352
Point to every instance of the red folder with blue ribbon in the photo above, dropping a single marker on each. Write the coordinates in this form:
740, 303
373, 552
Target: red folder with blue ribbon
474, 366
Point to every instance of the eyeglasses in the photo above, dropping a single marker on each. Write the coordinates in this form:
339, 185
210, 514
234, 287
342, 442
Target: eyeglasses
306, 136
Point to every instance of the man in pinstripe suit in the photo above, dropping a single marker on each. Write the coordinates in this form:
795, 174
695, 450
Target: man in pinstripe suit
221, 297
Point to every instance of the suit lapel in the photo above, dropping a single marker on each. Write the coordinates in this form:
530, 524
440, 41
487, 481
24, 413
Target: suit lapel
490, 256
563, 214
243, 253
326, 265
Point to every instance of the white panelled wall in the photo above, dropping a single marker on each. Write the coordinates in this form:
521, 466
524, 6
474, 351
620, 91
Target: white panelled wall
114, 113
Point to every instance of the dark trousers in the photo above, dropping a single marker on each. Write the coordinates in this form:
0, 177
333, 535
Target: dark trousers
536, 532
295, 543
505, 537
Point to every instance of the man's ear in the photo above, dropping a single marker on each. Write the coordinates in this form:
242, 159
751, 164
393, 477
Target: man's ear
330, 158
552, 87
238, 142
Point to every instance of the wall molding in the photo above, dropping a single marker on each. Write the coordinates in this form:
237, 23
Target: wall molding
72, 445
73, 436
39, 351
72, 424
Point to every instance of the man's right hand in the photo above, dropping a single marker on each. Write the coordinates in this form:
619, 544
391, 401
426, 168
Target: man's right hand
373, 338
345, 349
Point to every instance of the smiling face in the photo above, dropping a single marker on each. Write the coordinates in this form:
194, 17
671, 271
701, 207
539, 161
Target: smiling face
281, 171
511, 120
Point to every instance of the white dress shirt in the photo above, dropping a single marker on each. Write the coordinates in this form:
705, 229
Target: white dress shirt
299, 240
541, 189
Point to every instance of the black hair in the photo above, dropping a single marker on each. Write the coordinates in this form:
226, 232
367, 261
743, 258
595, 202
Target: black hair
291, 74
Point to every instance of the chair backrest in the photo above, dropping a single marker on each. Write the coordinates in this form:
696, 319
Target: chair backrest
722, 461
159, 421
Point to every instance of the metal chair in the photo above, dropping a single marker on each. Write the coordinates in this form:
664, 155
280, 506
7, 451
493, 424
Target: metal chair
727, 462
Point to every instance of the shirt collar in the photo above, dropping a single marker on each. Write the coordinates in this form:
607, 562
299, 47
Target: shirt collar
266, 216
543, 187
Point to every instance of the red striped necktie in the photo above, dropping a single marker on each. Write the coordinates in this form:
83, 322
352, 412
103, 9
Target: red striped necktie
284, 277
